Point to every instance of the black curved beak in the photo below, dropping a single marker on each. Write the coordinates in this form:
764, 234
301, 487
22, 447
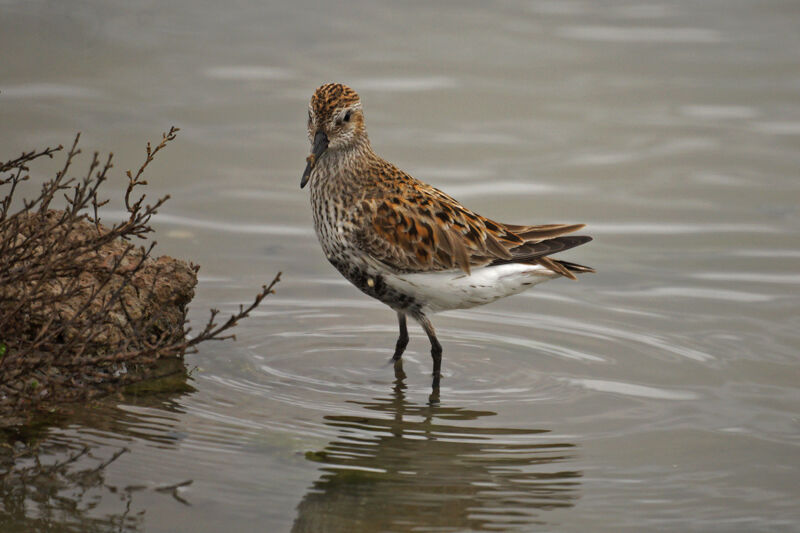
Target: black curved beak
319, 147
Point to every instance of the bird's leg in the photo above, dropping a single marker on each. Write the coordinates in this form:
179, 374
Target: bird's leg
402, 340
436, 348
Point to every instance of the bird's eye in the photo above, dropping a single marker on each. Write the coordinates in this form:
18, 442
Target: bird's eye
347, 116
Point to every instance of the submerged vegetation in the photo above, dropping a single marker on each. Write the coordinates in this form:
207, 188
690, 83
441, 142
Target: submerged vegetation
84, 310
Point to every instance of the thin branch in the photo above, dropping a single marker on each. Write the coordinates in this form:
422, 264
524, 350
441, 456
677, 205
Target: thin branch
77, 299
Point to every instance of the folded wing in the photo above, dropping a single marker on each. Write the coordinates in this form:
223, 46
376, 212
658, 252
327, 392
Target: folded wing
418, 228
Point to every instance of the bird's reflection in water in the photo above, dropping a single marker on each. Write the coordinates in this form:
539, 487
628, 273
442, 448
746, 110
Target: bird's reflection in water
417, 467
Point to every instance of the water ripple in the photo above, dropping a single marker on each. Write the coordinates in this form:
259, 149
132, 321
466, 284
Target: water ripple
248, 73
217, 225
498, 188
667, 228
48, 90
641, 34
750, 277
631, 389
701, 293
408, 84
594, 331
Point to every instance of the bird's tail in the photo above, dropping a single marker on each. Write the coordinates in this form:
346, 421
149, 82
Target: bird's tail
574, 267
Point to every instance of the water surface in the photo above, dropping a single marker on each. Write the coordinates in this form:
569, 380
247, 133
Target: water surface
659, 394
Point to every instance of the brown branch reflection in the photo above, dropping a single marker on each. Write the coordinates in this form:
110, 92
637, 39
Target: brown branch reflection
54, 479
414, 466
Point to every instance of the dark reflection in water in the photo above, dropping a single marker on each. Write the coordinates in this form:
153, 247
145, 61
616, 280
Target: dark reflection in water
52, 474
419, 467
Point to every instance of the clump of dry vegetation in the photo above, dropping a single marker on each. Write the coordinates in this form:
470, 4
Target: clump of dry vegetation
83, 309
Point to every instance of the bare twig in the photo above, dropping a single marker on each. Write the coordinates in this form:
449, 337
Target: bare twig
77, 299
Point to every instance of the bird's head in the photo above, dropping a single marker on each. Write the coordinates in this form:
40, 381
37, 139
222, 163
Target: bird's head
335, 122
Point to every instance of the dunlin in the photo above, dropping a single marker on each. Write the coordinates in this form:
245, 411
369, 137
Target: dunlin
407, 244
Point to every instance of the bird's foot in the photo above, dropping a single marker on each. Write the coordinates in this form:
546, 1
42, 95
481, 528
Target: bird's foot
433, 399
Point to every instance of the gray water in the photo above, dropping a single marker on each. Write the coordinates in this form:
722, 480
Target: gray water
660, 394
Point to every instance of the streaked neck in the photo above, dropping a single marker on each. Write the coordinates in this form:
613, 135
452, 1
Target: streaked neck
342, 161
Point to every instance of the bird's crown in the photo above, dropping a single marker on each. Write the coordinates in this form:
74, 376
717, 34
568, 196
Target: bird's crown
335, 126
331, 98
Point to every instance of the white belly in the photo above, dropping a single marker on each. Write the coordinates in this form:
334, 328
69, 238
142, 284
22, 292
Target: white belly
441, 291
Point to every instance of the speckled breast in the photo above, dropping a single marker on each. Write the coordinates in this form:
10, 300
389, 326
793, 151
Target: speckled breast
329, 206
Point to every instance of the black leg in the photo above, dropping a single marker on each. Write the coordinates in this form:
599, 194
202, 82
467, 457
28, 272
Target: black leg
433, 399
402, 340
436, 348
399, 376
